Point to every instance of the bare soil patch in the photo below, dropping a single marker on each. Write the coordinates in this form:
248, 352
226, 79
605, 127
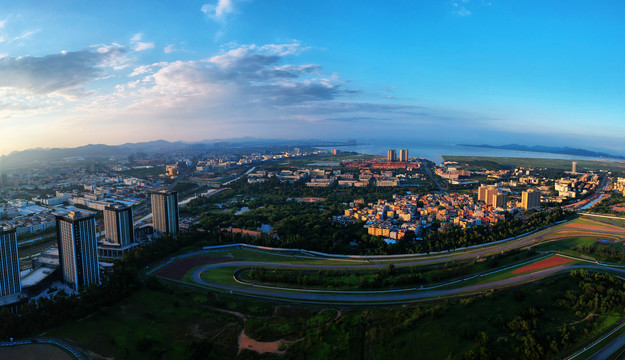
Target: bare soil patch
246, 342
618, 208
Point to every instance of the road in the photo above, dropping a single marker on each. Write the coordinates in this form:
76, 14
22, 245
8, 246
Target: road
427, 170
611, 348
409, 295
367, 297
233, 180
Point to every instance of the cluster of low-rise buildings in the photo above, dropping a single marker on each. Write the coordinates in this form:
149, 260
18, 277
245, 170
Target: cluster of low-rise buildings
417, 213
320, 177
226, 162
392, 219
363, 178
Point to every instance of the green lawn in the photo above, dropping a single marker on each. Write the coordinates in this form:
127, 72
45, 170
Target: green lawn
220, 275
559, 164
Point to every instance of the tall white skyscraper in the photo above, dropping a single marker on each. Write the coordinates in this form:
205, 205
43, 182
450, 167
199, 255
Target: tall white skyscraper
78, 252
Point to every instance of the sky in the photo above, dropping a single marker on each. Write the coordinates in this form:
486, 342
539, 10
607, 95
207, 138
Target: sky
444, 71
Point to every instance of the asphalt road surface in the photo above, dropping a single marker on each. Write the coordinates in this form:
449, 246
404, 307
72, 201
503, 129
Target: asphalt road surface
344, 297
609, 349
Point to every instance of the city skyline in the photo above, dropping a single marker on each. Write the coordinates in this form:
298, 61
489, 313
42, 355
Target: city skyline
79, 73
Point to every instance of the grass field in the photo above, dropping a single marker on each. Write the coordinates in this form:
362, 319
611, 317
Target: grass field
473, 162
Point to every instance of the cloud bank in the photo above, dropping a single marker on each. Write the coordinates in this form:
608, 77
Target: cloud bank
244, 90
65, 73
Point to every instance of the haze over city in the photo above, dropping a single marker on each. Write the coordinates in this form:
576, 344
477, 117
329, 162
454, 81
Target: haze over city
470, 71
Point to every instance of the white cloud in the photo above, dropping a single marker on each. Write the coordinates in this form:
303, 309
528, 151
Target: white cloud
220, 10
169, 49
223, 7
138, 45
240, 84
2, 23
144, 69
136, 37
25, 35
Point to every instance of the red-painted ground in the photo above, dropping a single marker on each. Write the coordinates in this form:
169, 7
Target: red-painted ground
177, 269
591, 227
543, 264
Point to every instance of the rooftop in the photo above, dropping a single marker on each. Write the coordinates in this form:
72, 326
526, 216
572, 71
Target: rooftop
36, 276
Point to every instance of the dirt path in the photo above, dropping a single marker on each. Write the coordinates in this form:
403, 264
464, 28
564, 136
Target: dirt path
246, 342
591, 315
237, 314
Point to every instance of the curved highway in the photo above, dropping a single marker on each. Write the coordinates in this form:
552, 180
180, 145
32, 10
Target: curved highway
373, 296
414, 294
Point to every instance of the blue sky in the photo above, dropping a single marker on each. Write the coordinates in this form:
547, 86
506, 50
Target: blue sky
468, 71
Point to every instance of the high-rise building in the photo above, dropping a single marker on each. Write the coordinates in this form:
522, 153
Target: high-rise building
485, 193
392, 155
78, 252
499, 200
490, 193
9, 263
481, 193
530, 199
574, 167
403, 155
165, 212
118, 224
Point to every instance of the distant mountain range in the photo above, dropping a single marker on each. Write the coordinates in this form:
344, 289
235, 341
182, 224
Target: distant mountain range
551, 150
40, 155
